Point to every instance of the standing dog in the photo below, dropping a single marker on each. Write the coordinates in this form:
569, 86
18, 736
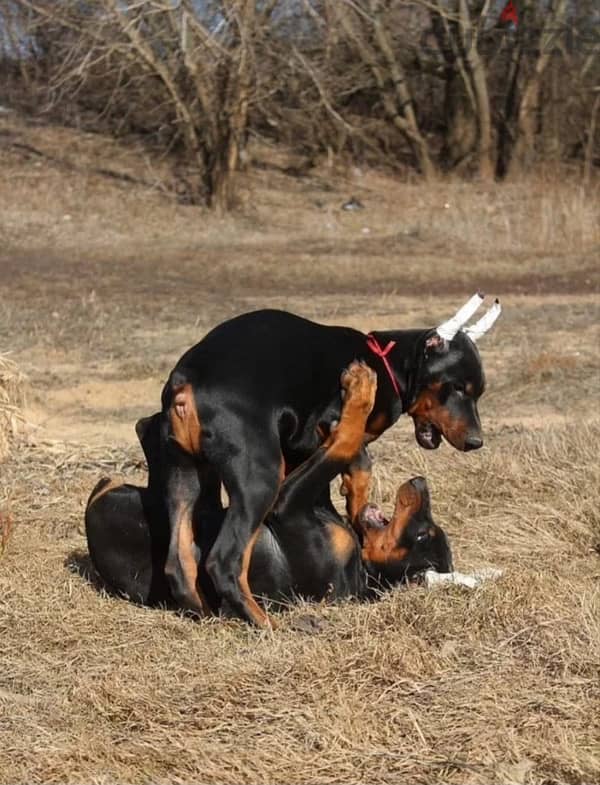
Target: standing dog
258, 396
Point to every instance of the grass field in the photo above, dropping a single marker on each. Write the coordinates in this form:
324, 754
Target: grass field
103, 284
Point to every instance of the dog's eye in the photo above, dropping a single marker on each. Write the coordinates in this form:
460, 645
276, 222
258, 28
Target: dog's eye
459, 388
422, 535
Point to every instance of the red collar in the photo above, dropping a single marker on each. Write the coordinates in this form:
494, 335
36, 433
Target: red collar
383, 353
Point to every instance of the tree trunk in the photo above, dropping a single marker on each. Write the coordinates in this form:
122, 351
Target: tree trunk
477, 72
529, 108
398, 105
506, 126
591, 146
461, 125
527, 123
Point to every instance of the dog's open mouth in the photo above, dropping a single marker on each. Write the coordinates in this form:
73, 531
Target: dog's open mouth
427, 435
373, 517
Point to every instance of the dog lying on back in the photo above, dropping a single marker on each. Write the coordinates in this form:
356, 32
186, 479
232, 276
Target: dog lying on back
304, 548
254, 401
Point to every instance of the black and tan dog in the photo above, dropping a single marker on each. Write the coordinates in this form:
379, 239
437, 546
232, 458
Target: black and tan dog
303, 548
258, 396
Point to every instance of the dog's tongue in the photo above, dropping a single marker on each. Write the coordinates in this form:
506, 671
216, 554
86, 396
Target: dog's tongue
427, 435
373, 517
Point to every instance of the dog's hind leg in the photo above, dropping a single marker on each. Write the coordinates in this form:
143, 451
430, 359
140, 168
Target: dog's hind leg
184, 491
251, 474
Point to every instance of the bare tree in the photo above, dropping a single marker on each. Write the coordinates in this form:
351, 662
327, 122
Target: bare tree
529, 107
422, 84
552, 75
191, 76
457, 28
367, 29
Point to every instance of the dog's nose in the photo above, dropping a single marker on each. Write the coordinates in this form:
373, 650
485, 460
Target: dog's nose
473, 443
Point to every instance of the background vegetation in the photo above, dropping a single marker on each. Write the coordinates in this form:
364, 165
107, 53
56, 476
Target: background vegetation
414, 86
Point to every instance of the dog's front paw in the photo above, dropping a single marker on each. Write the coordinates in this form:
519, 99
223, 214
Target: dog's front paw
359, 384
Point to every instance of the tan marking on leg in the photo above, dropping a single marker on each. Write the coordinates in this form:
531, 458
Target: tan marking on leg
355, 487
258, 615
185, 422
184, 533
282, 470
343, 543
110, 486
360, 385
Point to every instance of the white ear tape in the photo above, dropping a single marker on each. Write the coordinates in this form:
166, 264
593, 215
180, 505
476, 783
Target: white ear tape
475, 331
448, 329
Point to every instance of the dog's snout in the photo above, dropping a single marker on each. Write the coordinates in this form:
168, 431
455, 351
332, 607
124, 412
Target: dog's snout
473, 443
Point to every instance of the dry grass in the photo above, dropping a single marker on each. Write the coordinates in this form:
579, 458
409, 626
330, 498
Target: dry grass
496, 685
12, 401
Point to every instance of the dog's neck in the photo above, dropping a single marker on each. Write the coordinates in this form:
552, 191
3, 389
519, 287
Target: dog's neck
402, 359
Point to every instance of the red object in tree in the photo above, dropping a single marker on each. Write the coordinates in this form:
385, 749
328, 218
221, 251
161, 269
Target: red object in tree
509, 14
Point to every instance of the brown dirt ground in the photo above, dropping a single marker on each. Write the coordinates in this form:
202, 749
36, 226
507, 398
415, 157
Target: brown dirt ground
103, 284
